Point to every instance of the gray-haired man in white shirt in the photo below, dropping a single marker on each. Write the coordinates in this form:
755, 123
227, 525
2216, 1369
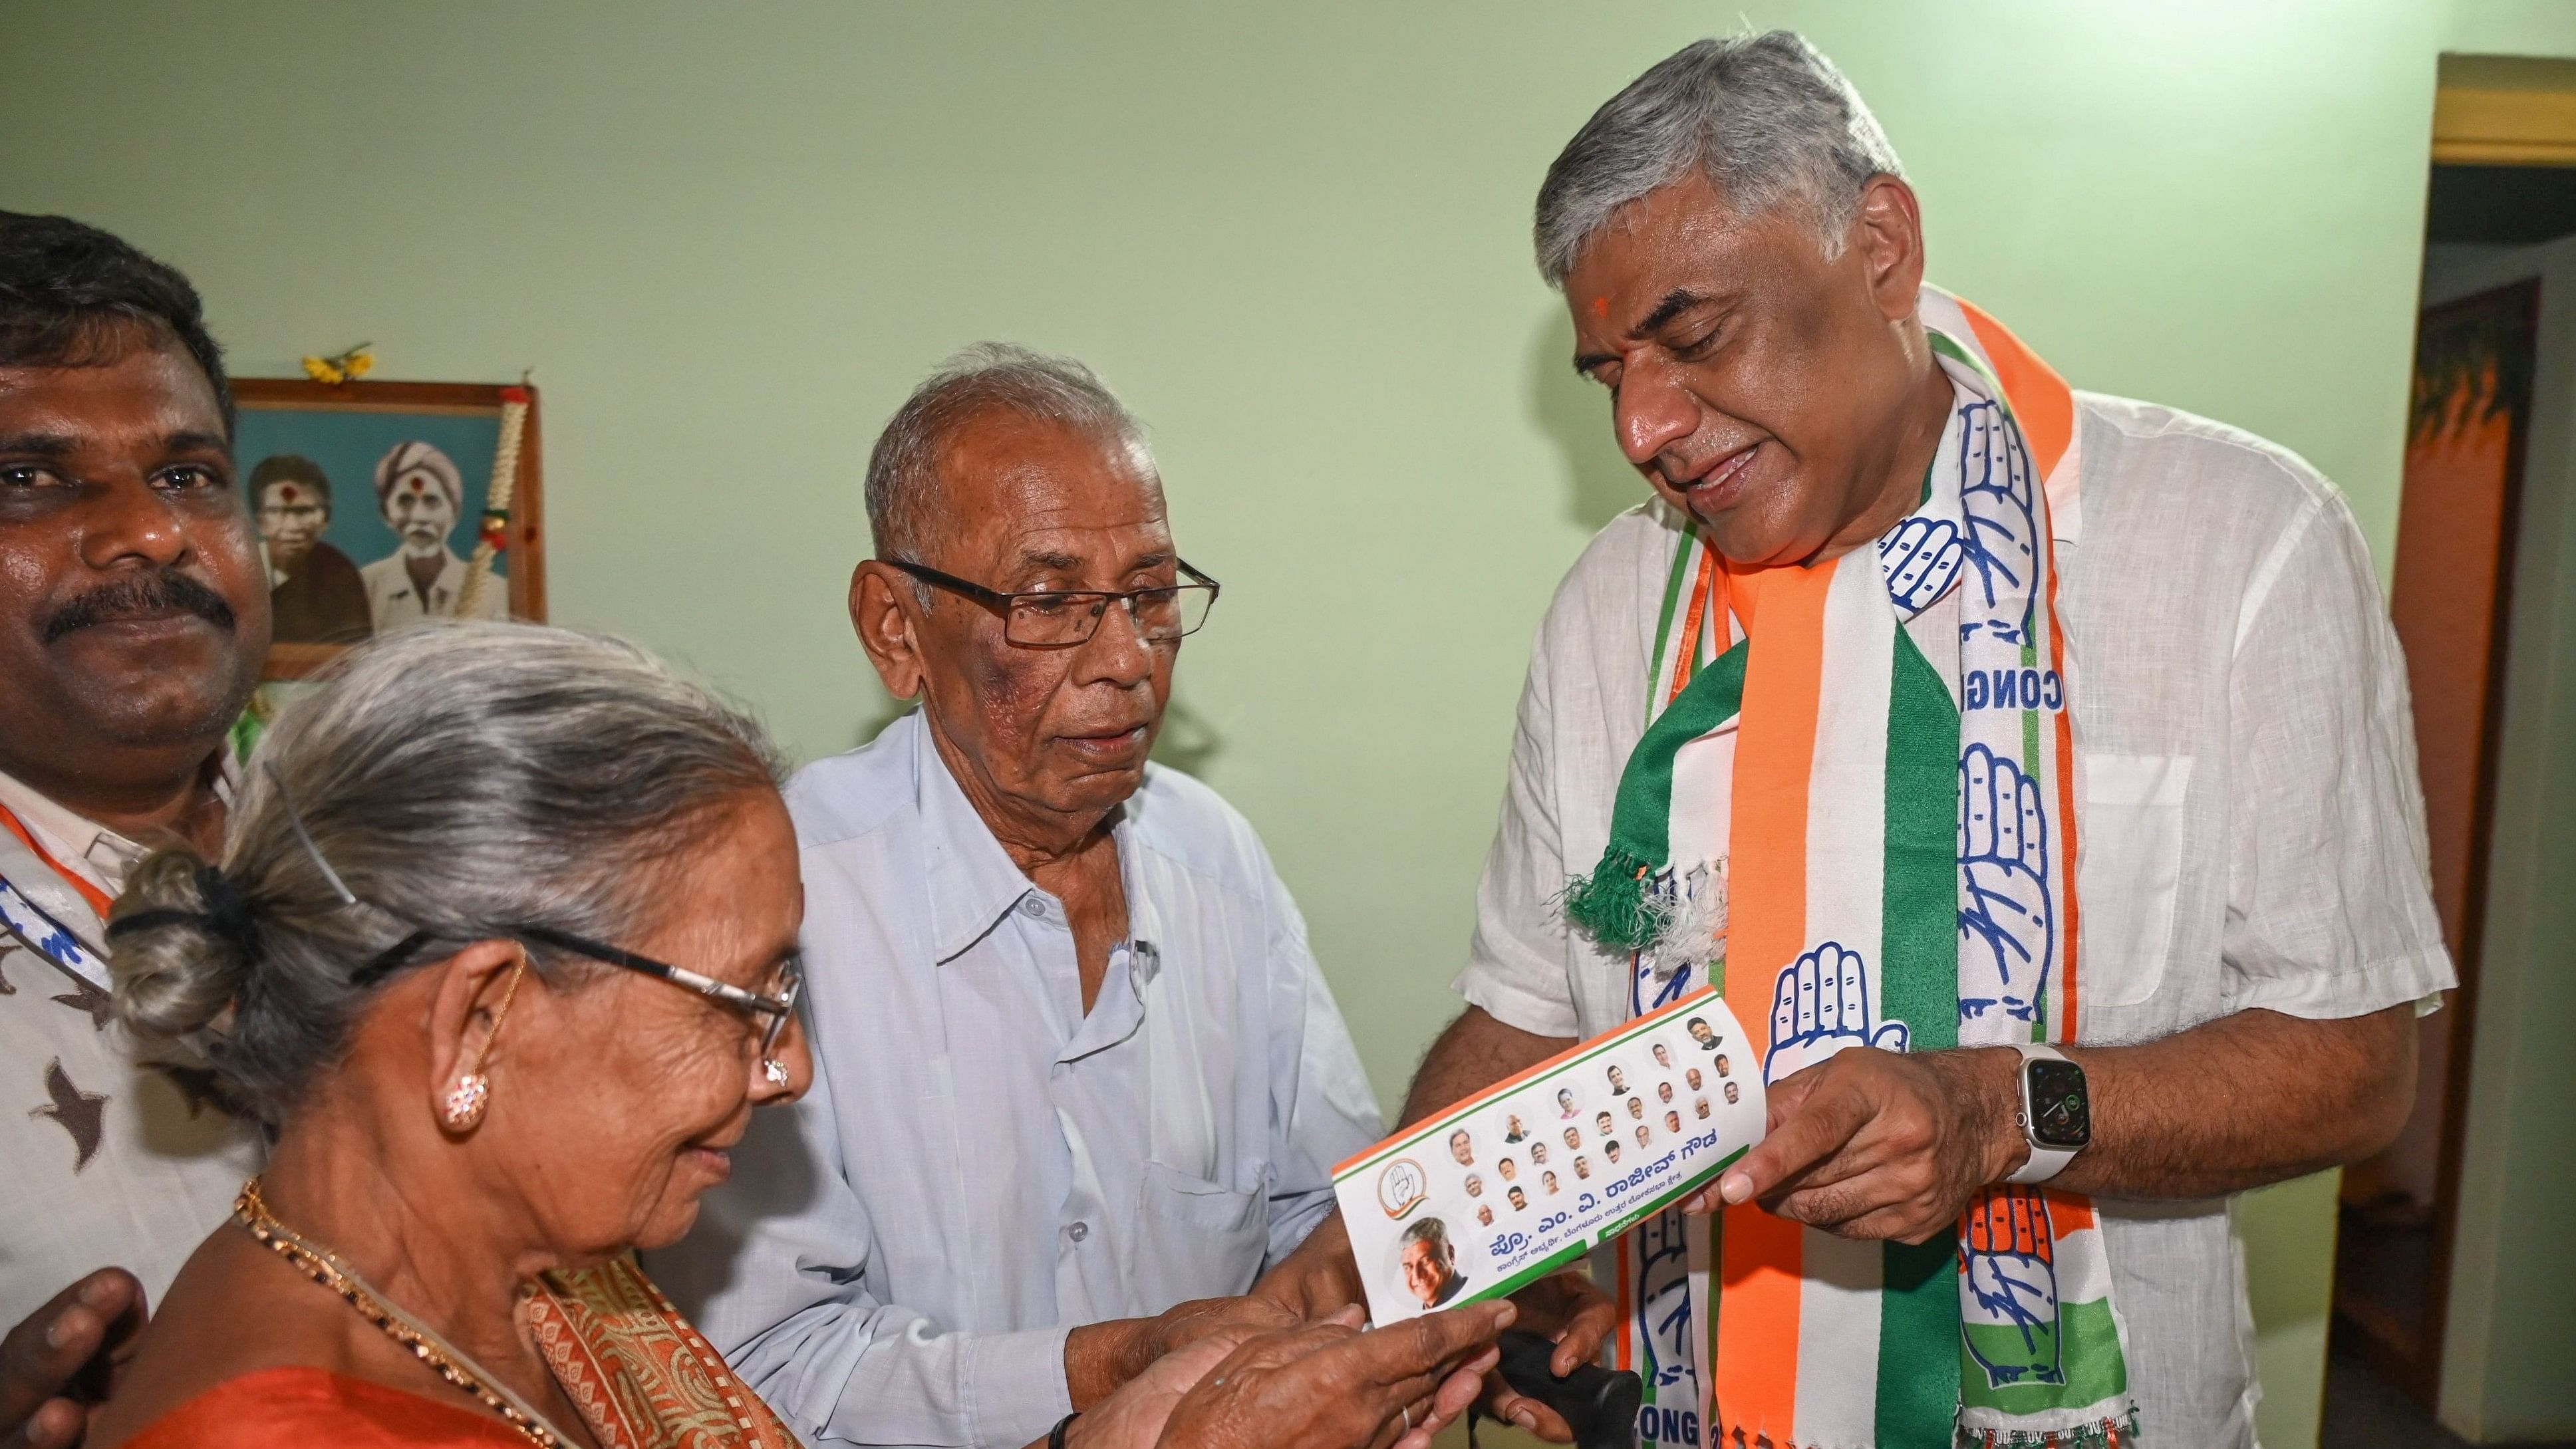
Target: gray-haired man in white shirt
1743, 265
1075, 1068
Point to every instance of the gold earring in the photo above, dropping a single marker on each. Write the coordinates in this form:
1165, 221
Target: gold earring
462, 1107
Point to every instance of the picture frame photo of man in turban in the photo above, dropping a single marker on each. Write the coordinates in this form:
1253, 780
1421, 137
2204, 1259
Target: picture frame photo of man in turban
383, 503
422, 497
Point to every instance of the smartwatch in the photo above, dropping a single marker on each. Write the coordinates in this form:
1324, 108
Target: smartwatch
2056, 1111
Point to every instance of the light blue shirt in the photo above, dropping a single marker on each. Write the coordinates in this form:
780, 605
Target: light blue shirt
979, 1165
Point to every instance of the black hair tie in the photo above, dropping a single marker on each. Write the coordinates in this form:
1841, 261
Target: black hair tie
228, 911
228, 914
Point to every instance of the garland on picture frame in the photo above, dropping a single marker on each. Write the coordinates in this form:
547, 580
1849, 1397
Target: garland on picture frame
494, 536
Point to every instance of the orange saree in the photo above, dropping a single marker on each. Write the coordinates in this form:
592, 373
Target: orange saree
295, 1406
641, 1376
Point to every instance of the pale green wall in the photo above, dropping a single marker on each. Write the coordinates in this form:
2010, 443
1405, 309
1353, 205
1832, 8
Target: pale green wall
1294, 235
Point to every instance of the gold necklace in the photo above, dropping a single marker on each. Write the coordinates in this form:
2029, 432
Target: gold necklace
324, 1267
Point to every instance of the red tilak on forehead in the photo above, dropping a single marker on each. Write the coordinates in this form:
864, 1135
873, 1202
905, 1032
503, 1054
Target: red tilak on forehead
1601, 308
289, 494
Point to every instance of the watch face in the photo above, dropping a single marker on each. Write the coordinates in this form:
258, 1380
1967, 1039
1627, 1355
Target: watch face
2061, 1116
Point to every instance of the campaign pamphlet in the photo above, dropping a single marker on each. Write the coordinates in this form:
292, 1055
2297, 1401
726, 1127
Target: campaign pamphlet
1526, 1178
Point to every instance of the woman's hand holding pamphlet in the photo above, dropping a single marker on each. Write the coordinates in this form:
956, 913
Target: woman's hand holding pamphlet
1531, 1175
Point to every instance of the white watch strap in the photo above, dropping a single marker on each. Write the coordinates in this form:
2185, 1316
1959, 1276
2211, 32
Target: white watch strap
2045, 1162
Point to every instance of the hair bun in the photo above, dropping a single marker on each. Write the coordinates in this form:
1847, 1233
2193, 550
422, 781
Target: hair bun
182, 942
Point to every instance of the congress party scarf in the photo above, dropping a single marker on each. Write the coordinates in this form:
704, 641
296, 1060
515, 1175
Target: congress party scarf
1866, 853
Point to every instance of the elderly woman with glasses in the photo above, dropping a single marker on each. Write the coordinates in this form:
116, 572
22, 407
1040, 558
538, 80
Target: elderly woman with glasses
502, 950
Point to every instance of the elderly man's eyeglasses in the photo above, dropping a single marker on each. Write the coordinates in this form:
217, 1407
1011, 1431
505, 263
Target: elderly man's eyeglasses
780, 1008
1058, 618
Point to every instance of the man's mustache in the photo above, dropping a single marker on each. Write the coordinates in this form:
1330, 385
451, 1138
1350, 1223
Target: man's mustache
142, 596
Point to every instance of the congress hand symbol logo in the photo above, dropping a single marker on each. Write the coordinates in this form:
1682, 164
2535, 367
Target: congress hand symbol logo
1921, 558
1821, 1006
1995, 492
2004, 910
2009, 1258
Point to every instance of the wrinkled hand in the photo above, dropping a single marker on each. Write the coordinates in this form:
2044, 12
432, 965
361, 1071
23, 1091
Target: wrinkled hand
1101, 1358
1319, 1277
1329, 1386
56, 1366
1874, 1144
1136, 1413
1236, 1319
1571, 1309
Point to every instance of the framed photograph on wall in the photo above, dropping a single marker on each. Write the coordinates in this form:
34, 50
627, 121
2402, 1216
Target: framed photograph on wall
383, 503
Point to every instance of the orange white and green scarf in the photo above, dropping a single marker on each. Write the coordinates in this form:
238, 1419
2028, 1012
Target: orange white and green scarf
1864, 848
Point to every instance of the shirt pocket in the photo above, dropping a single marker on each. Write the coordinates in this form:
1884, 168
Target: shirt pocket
2130, 839
1196, 1239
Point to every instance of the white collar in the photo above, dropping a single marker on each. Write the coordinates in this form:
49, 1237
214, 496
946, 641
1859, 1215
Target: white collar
99, 856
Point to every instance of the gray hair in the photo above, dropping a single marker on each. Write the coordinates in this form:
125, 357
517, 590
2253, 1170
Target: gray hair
1765, 117
462, 779
903, 470
1429, 1230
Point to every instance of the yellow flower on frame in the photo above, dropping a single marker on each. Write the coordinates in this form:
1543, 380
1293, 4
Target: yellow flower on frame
355, 363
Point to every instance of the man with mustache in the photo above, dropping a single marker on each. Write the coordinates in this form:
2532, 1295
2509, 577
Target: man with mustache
134, 616
1075, 1066
2030, 768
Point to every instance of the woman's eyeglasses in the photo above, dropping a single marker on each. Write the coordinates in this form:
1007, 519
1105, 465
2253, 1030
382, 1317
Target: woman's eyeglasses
779, 1007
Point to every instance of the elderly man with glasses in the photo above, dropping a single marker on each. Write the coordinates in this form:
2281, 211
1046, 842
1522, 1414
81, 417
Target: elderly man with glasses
1077, 1078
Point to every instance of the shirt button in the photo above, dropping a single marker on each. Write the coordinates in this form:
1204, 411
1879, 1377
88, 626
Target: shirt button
1032, 907
1078, 1231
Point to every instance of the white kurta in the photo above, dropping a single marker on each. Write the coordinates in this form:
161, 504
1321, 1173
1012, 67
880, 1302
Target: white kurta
2252, 832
